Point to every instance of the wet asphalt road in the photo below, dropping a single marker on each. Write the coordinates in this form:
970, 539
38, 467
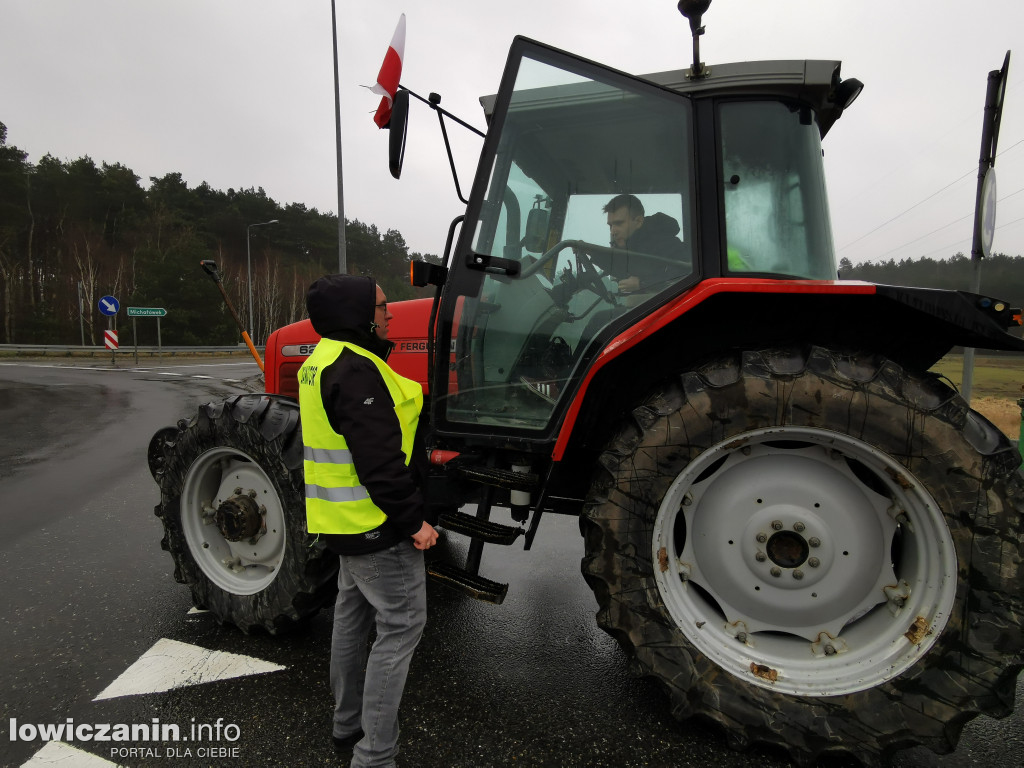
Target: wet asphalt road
88, 591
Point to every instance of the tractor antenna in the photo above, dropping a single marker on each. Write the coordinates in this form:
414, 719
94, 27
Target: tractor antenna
693, 10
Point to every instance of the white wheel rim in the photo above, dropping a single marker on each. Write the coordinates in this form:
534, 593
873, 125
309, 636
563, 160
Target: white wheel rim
239, 567
804, 561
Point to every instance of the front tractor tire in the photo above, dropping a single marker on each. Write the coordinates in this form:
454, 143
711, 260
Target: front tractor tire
232, 503
815, 550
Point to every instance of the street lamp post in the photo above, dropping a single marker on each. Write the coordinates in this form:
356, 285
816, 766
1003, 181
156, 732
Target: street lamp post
248, 262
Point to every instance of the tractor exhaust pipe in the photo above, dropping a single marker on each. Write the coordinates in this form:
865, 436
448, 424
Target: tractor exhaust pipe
210, 267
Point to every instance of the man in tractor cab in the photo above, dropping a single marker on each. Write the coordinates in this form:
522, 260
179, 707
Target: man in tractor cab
364, 470
653, 257
633, 231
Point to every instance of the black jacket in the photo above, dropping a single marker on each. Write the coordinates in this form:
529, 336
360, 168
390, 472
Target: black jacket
360, 408
656, 236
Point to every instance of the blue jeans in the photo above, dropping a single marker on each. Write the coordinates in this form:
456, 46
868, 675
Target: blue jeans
390, 586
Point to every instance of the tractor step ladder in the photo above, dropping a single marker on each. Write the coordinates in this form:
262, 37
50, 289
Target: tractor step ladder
475, 586
481, 530
501, 478
477, 528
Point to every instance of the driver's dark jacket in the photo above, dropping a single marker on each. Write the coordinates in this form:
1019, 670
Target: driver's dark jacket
657, 236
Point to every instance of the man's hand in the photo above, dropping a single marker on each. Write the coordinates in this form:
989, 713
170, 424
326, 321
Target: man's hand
425, 537
629, 284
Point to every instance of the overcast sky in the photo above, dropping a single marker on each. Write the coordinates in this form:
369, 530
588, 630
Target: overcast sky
239, 93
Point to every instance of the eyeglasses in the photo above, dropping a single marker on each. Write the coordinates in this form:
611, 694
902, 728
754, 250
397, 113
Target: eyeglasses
383, 305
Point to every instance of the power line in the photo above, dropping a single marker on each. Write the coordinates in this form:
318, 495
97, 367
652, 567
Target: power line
908, 210
947, 226
961, 240
925, 200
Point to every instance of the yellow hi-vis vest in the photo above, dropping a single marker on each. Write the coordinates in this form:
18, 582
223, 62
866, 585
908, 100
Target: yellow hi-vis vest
336, 502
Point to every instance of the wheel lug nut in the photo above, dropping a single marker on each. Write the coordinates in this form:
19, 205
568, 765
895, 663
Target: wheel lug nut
814, 541
776, 571
830, 650
238, 491
798, 527
762, 538
760, 557
798, 574
777, 525
741, 636
814, 562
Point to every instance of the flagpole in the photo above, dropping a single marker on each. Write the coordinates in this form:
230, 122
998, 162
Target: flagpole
342, 256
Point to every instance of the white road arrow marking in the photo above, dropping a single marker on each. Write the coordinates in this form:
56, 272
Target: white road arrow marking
60, 754
170, 664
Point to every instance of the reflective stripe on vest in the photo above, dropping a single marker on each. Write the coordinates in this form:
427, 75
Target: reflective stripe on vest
326, 455
336, 501
357, 493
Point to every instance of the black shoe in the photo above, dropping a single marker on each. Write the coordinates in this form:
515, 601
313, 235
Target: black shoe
347, 742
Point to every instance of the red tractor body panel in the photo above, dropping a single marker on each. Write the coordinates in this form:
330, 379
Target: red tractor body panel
288, 347
659, 318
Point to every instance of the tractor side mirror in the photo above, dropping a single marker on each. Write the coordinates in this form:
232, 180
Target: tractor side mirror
398, 127
537, 221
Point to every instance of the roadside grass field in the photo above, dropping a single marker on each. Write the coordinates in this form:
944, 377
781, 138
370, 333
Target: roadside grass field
998, 383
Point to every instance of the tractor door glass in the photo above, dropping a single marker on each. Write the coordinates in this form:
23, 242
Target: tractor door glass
582, 157
776, 210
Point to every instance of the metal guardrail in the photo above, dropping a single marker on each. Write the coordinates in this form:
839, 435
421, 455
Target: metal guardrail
76, 350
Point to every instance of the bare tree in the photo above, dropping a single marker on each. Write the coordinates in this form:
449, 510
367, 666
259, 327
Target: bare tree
89, 275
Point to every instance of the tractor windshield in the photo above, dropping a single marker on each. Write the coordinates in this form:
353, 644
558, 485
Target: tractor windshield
588, 215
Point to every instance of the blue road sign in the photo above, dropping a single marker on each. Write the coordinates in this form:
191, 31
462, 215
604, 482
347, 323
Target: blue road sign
109, 306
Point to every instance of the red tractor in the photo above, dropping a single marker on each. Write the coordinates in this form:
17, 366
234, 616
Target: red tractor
791, 524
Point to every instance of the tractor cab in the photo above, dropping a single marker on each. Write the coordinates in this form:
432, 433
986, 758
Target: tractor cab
601, 197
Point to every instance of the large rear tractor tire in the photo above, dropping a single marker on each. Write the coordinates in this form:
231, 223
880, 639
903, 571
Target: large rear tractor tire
232, 503
815, 550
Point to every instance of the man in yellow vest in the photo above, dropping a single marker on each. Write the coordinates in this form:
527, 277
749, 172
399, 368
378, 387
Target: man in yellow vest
364, 471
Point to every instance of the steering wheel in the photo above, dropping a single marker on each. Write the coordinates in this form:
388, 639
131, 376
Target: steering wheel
547, 256
589, 278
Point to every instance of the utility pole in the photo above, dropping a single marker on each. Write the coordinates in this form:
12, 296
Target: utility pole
985, 202
342, 256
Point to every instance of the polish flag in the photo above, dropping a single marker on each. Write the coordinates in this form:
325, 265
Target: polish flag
389, 75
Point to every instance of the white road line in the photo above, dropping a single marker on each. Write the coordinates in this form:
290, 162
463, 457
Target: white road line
171, 664
64, 755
